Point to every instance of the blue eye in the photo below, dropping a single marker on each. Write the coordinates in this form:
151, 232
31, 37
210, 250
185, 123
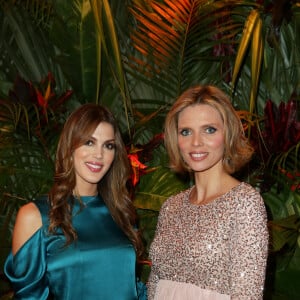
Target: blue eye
185, 132
210, 130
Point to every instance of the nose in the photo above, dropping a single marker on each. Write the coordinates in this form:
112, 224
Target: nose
98, 152
197, 140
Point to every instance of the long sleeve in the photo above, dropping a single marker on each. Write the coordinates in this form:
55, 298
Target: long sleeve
249, 249
153, 276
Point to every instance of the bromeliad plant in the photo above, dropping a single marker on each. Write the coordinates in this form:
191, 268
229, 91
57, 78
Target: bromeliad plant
277, 141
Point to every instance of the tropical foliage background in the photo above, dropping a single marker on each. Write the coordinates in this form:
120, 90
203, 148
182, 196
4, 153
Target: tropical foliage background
136, 57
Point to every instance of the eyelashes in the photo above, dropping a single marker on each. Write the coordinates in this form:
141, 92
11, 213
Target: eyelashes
89, 143
108, 145
187, 131
210, 129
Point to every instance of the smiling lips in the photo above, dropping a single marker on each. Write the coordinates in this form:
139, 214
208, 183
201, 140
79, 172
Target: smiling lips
94, 167
198, 155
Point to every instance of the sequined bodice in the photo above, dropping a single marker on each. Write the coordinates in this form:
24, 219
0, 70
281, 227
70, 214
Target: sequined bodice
220, 246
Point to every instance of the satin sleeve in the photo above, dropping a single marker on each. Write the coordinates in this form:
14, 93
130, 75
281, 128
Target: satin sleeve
27, 268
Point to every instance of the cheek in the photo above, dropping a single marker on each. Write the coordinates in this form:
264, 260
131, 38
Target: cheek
77, 155
217, 142
181, 143
110, 156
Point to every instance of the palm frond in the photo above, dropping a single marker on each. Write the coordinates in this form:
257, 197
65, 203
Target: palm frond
108, 37
40, 10
25, 48
183, 43
280, 61
256, 70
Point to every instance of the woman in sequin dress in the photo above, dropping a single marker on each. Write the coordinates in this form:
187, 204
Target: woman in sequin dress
80, 241
211, 240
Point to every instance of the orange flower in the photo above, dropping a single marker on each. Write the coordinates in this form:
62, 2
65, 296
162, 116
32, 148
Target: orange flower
137, 166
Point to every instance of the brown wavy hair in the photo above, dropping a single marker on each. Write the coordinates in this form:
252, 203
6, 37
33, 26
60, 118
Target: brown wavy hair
112, 187
238, 150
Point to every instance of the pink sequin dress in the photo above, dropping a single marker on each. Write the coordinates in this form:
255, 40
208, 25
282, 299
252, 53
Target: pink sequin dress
221, 246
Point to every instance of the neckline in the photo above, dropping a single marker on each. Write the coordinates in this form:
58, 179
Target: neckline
220, 197
89, 199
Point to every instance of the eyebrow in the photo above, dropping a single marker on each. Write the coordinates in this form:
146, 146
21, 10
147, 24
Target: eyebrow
90, 137
108, 140
203, 125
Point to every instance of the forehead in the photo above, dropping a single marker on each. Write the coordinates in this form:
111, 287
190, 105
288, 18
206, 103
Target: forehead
103, 129
199, 113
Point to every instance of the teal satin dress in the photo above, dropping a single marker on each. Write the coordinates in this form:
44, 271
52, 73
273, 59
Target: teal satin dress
99, 265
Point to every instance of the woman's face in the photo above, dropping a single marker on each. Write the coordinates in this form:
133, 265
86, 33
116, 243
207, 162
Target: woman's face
201, 137
93, 159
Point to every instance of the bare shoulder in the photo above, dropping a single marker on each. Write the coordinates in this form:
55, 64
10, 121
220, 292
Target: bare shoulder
28, 221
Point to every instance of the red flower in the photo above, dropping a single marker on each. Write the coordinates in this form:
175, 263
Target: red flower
137, 168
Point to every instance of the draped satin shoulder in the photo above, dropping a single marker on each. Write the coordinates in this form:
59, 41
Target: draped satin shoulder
99, 265
27, 272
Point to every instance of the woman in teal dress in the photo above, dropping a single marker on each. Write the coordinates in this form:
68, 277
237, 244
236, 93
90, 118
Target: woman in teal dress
80, 241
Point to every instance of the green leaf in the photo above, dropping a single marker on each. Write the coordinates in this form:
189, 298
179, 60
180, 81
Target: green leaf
25, 48
107, 35
156, 187
256, 62
282, 203
77, 44
285, 232
247, 35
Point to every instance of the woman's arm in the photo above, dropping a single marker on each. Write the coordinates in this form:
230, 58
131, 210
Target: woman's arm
153, 276
249, 248
26, 264
28, 221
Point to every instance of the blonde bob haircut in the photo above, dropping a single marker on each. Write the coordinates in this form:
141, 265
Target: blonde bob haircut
238, 150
